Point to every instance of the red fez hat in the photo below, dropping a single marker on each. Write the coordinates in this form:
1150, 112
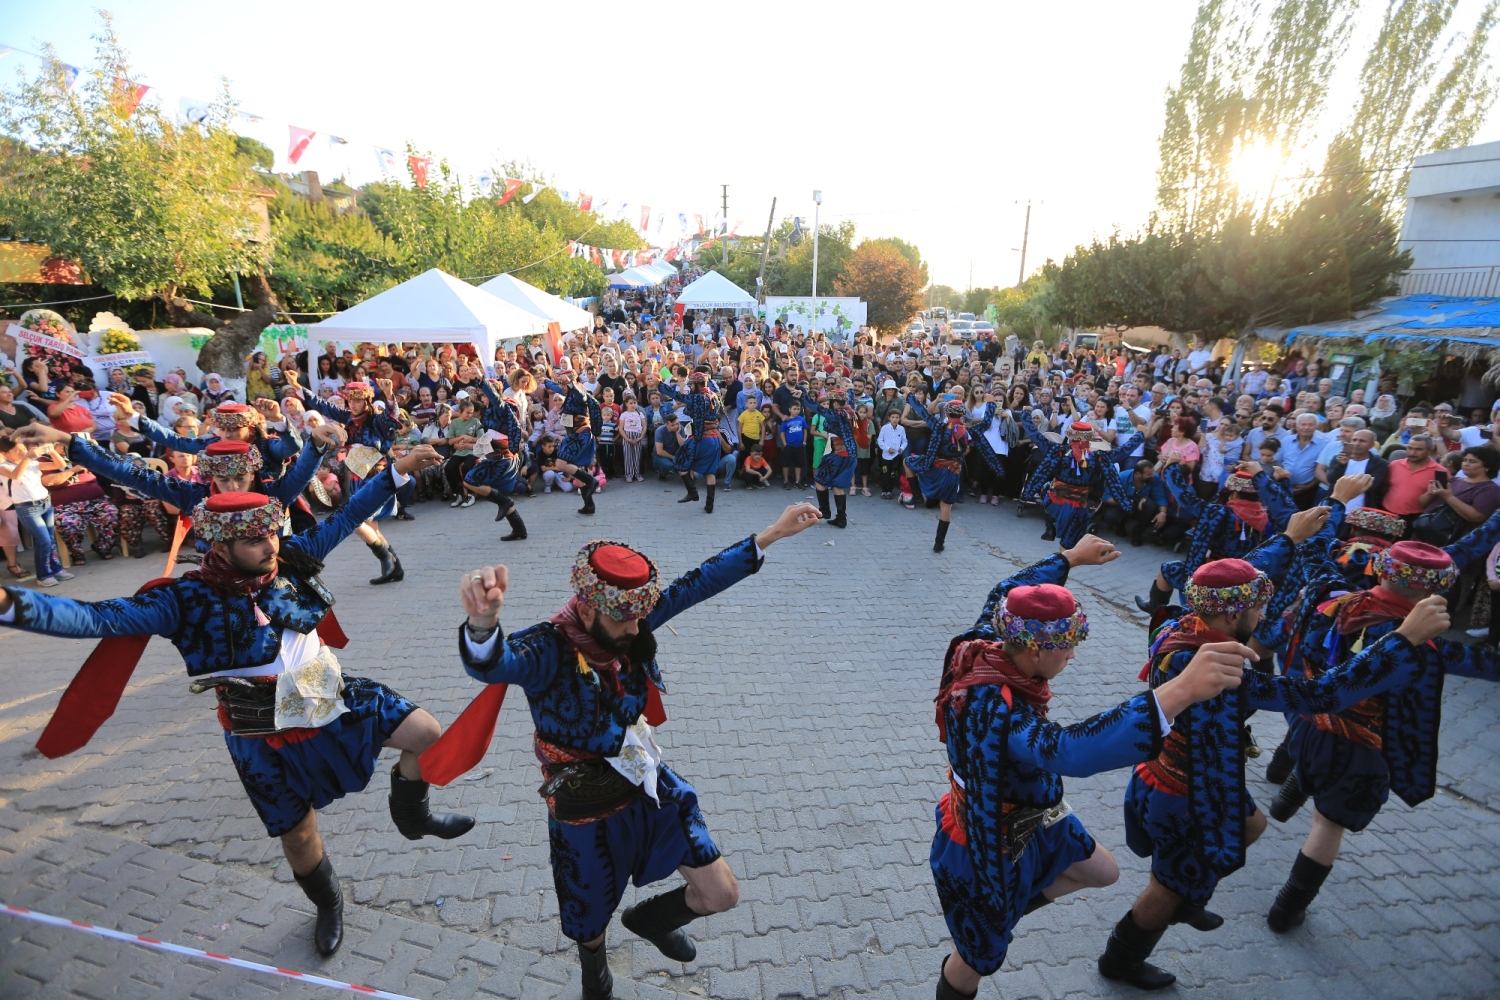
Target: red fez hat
229, 458
223, 517
1044, 602
1225, 573
616, 580
1227, 586
228, 503
230, 408
1417, 565
227, 448
1045, 616
620, 567
234, 415
73, 420
1083, 426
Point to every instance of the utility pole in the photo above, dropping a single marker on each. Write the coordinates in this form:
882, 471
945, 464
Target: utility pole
817, 204
1025, 235
725, 247
765, 252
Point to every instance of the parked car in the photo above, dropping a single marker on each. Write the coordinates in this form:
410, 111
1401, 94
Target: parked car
967, 316
962, 328
981, 326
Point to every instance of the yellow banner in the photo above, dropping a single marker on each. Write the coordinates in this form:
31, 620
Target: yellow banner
34, 263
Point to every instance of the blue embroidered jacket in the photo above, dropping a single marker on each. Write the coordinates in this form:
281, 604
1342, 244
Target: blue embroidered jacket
500, 416
1219, 534
185, 495
578, 709
275, 449
377, 430
1009, 755
1291, 580
1058, 464
939, 443
699, 406
834, 421
212, 632
577, 403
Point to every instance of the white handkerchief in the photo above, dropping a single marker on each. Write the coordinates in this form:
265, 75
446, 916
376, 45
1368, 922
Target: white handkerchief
310, 696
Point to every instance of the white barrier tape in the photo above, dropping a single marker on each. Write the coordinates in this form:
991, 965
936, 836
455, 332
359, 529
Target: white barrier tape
239, 963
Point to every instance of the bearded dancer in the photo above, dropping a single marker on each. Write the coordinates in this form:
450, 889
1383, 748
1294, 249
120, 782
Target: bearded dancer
836, 471
253, 625
1349, 761
1251, 508
939, 472
369, 429
501, 474
575, 456
1069, 472
616, 812
1007, 843
701, 454
1188, 809
231, 467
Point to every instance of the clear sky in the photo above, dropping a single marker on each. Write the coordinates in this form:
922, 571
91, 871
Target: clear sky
934, 122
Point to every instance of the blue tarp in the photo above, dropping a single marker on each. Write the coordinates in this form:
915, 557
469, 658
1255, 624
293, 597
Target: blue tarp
1412, 317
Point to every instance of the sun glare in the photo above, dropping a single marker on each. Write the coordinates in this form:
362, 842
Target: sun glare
1256, 168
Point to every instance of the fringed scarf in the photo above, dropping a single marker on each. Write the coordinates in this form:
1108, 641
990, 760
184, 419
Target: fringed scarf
978, 661
958, 433
224, 580
1252, 513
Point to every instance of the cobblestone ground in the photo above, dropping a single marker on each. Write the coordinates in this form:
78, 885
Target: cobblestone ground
801, 706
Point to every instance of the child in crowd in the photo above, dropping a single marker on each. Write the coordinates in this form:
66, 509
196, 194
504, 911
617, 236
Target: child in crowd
1270, 455
606, 440
757, 471
892, 443
632, 436
792, 439
864, 431
752, 421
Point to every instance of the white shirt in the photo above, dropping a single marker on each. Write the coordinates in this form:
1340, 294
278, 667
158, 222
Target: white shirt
1356, 469
892, 440
1198, 361
28, 488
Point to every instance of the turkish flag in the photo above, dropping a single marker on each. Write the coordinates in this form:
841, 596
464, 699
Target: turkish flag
419, 165
645, 217
585, 201
553, 338
300, 138
511, 187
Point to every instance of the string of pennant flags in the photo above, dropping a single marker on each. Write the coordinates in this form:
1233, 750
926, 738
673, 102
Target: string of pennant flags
671, 232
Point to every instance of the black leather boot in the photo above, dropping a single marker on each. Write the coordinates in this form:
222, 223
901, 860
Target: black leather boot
322, 887
692, 489
1124, 958
598, 982
823, 504
841, 502
708, 503
945, 989
1290, 798
1281, 765
1197, 917
412, 817
517, 527
1301, 888
660, 920
1158, 598
588, 484
390, 565
942, 535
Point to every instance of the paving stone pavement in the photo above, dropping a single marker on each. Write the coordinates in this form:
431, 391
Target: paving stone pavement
800, 706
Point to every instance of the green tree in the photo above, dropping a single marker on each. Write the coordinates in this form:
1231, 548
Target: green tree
792, 272
327, 260
946, 296
149, 206
886, 279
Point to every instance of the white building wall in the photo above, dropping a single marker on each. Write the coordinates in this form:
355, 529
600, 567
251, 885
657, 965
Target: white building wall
1452, 223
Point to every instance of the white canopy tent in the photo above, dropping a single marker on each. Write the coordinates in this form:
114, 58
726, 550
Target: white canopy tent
544, 304
714, 291
433, 307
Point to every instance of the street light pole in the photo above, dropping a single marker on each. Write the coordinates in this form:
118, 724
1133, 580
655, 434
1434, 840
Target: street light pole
817, 203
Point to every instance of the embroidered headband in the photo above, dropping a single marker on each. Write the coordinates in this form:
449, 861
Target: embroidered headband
616, 580
1416, 565
1042, 617
224, 517
1373, 519
227, 459
1226, 587
357, 390
232, 416
1080, 431
1240, 482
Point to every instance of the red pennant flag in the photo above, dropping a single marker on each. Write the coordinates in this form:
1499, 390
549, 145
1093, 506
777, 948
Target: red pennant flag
300, 139
585, 201
554, 342
671, 254
128, 95
419, 165
645, 217
511, 187
699, 220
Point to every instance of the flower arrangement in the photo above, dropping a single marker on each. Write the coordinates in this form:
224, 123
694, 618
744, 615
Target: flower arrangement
48, 322
118, 342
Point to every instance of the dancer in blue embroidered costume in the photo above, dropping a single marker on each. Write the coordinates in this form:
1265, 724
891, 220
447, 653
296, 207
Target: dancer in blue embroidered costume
371, 434
1251, 508
617, 813
836, 471
1349, 761
1188, 809
255, 626
575, 456
230, 422
1069, 472
703, 453
499, 473
1007, 843
939, 471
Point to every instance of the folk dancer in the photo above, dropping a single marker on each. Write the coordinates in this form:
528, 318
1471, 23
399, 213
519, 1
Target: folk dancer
229, 422
500, 474
254, 625
1349, 761
1188, 809
1069, 472
370, 429
939, 471
581, 414
616, 812
1251, 508
836, 472
1007, 843
702, 454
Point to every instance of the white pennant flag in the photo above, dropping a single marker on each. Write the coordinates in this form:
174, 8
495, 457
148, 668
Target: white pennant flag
387, 160
486, 182
192, 109
536, 189
624, 207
